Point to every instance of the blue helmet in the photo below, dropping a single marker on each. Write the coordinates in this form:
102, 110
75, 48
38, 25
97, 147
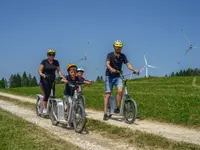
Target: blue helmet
80, 69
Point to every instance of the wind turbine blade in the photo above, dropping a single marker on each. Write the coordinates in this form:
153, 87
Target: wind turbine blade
187, 51
145, 59
79, 60
187, 40
178, 62
195, 47
92, 64
186, 37
151, 66
86, 52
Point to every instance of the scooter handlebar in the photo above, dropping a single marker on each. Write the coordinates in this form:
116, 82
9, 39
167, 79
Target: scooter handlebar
123, 75
75, 83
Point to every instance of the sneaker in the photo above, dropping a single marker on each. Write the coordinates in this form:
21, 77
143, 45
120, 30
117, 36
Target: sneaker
105, 117
44, 111
117, 111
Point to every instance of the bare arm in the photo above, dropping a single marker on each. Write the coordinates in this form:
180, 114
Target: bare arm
40, 70
109, 67
87, 82
59, 72
131, 67
64, 81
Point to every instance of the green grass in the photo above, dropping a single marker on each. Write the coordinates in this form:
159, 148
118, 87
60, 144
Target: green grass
138, 138
172, 99
135, 138
18, 134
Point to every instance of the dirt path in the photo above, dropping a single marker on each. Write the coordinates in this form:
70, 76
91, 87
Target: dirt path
87, 141
194, 83
162, 129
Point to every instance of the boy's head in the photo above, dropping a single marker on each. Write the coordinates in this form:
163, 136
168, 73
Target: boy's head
80, 71
72, 70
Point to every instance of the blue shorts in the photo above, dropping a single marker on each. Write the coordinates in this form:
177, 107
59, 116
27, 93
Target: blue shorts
112, 81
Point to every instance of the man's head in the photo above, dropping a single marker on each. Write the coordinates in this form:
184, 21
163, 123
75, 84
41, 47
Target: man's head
80, 71
72, 70
118, 46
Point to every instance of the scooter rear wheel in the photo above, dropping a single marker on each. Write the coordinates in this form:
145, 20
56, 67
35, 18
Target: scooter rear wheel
130, 109
38, 105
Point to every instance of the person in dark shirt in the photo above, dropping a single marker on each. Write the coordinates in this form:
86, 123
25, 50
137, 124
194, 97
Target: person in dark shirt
114, 63
71, 77
47, 70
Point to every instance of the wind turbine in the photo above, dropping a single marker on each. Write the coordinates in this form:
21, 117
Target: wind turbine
190, 45
85, 59
146, 66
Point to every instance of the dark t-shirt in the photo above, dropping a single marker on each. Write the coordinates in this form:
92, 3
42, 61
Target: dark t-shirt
82, 78
50, 69
116, 63
68, 89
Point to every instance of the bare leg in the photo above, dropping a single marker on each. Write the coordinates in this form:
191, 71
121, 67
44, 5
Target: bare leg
45, 104
106, 100
119, 96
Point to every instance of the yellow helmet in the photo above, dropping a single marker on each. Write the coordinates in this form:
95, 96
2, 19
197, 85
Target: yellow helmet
71, 65
51, 51
118, 43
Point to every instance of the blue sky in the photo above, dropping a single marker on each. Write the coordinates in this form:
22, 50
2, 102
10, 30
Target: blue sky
29, 28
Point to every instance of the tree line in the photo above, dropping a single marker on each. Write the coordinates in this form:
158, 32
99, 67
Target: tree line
16, 80
186, 72
99, 79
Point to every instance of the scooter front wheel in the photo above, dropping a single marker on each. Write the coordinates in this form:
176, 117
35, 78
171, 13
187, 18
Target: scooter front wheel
79, 118
53, 113
82, 98
130, 110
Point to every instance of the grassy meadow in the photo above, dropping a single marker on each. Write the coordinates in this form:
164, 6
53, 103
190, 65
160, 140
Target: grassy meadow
166, 99
13, 133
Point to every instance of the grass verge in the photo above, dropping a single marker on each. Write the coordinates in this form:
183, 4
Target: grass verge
136, 138
17, 133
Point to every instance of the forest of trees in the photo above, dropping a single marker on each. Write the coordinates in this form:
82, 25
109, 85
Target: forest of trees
186, 72
16, 80
3, 83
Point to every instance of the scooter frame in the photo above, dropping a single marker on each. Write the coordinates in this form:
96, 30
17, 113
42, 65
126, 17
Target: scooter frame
125, 99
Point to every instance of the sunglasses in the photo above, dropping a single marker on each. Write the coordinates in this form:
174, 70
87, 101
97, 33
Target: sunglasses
117, 47
51, 54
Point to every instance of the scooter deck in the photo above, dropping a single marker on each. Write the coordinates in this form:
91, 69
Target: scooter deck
63, 121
